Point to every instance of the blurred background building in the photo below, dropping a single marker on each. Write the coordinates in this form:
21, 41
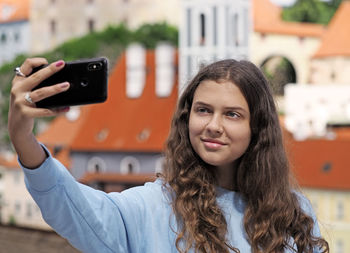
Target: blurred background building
55, 21
14, 29
114, 153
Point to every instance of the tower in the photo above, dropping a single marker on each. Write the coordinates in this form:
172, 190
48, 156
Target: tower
212, 30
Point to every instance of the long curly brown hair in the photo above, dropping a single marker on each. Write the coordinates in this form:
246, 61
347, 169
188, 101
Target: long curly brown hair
273, 214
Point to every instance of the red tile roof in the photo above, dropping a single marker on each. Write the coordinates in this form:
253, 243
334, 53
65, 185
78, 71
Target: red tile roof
18, 10
129, 124
321, 163
267, 19
336, 41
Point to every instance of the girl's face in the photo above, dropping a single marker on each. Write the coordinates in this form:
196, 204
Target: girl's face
219, 127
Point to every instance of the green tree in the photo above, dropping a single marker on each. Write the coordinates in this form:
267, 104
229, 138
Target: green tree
150, 34
311, 11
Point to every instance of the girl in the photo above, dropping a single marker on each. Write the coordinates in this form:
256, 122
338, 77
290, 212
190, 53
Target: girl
226, 185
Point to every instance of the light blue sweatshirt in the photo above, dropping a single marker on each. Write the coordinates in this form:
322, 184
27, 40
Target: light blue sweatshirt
137, 220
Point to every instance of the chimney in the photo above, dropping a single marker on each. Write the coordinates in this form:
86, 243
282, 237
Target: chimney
165, 69
135, 70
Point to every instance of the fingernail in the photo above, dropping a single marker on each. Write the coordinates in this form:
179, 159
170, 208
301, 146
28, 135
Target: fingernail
59, 63
64, 85
65, 109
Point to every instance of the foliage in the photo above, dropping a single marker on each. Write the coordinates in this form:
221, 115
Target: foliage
279, 72
151, 34
311, 11
109, 43
12, 221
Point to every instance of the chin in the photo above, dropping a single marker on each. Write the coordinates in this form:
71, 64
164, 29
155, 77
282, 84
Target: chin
215, 163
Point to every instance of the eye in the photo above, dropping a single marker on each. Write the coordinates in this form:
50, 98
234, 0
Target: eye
202, 110
232, 114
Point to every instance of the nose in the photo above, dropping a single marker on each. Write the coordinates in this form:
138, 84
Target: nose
215, 126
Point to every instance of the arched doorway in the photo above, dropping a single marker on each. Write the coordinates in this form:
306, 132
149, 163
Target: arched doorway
279, 71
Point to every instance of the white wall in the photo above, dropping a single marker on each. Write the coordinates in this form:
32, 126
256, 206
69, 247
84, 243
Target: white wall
297, 50
334, 69
309, 108
18, 204
16, 42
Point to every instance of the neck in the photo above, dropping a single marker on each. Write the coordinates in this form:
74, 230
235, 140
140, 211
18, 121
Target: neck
225, 176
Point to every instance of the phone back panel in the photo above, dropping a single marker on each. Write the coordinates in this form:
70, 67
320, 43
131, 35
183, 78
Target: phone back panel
88, 83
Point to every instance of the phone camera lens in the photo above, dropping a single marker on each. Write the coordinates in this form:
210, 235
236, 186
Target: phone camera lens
94, 66
84, 83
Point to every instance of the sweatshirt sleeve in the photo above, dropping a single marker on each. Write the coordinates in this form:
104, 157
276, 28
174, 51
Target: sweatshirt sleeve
91, 220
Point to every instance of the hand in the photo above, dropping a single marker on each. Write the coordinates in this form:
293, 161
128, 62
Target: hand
22, 111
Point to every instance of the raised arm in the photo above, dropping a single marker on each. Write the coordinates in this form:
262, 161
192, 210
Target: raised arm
91, 220
22, 109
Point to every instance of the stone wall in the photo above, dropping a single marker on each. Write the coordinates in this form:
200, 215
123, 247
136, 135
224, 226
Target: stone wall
14, 240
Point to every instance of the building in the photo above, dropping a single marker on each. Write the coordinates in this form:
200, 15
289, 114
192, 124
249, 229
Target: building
274, 38
17, 206
331, 62
321, 167
14, 29
212, 30
56, 21
139, 12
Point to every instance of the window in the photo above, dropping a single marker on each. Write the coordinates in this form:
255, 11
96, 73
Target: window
16, 177
91, 25
17, 36
340, 210
53, 27
339, 247
202, 30
129, 165
96, 165
17, 208
215, 26
29, 212
159, 165
3, 38
235, 32
189, 28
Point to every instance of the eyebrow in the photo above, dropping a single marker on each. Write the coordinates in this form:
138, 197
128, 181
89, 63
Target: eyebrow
226, 108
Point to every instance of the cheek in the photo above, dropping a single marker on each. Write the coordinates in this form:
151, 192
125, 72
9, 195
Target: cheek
247, 137
194, 129
241, 135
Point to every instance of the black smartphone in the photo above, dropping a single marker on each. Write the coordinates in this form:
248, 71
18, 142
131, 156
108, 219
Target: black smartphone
88, 80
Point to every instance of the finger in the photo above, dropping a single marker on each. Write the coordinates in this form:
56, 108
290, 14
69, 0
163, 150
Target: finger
39, 76
28, 65
61, 110
48, 91
32, 112
44, 112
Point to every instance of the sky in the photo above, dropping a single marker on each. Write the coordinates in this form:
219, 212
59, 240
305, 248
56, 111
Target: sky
283, 2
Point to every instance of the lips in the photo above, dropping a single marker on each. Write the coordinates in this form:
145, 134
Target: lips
212, 143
